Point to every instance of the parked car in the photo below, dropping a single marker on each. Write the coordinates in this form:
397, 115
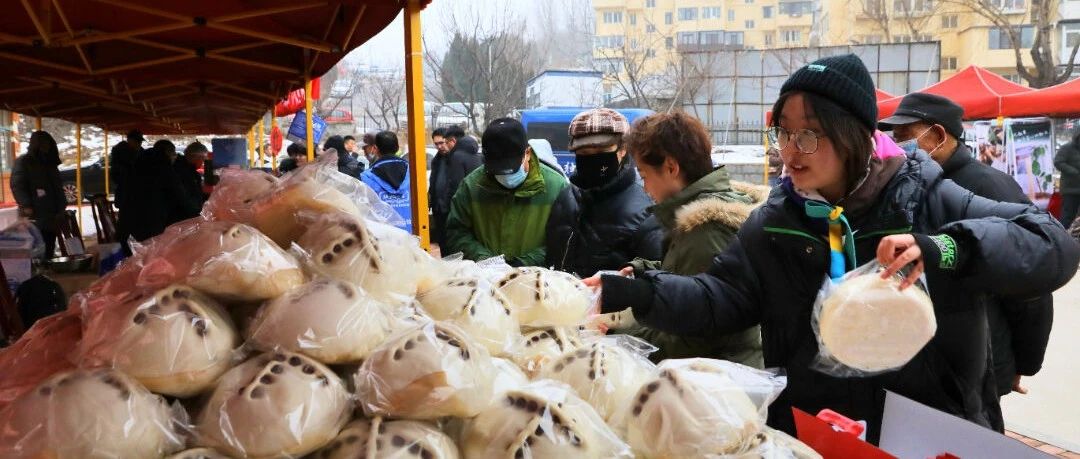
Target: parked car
93, 180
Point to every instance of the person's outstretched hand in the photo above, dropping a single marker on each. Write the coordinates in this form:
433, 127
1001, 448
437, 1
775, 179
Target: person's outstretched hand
896, 252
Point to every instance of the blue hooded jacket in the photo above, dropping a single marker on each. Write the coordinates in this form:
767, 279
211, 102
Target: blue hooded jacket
389, 177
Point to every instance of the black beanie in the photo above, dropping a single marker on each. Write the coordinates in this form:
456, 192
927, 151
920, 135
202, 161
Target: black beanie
843, 80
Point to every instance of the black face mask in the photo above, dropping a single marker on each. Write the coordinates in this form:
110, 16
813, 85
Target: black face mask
596, 169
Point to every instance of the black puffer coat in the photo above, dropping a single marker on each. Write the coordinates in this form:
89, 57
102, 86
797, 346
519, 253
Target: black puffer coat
603, 228
771, 274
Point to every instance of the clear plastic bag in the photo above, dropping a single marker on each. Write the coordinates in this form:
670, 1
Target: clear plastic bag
508, 377
541, 420
274, 405
698, 407
231, 261
543, 345
378, 438
24, 234
774, 444
546, 298
387, 262
477, 307
199, 453
330, 321
607, 373
866, 325
428, 371
89, 413
42, 351
236, 191
174, 341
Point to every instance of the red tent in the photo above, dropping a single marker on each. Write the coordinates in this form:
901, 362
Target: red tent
1059, 100
882, 95
978, 90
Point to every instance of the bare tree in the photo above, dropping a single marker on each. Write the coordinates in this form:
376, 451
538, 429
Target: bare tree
383, 96
638, 71
897, 20
1010, 18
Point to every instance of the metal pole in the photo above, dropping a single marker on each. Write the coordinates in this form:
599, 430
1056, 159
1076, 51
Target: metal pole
262, 142
78, 174
307, 116
106, 154
251, 147
273, 153
37, 124
414, 93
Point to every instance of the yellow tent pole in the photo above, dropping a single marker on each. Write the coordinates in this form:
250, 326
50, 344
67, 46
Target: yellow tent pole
106, 155
414, 94
273, 154
251, 147
262, 143
78, 174
37, 124
307, 115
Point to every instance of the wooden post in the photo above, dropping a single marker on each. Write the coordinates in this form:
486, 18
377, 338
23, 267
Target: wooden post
251, 147
78, 175
273, 153
262, 143
106, 154
37, 123
414, 96
307, 115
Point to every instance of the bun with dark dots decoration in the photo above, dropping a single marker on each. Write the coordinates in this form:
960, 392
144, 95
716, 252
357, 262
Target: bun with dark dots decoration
545, 298
543, 345
477, 307
199, 453
378, 438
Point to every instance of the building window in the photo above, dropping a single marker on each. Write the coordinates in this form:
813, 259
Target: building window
688, 38
796, 8
650, 3
748, 2
872, 39
731, 15
649, 28
749, 24
668, 18
712, 37
948, 63
1070, 36
913, 6
609, 41
610, 66
766, 12
999, 38
769, 38
650, 52
633, 43
791, 36
949, 21
669, 42
733, 38
687, 14
613, 17
1007, 5
633, 19
711, 12
874, 8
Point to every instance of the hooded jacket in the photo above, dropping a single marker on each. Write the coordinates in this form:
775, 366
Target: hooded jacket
602, 228
771, 272
700, 222
389, 178
487, 219
1067, 161
449, 170
36, 185
157, 197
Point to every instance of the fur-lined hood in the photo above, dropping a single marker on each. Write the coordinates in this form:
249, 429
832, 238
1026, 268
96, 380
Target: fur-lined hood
721, 208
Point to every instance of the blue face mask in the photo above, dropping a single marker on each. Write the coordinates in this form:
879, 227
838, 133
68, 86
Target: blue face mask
909, 146
513, 180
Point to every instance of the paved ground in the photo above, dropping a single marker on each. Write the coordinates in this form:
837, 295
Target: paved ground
1050, 412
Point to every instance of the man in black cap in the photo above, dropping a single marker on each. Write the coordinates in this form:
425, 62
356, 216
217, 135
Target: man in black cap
1019, 328
122, 163
503, 207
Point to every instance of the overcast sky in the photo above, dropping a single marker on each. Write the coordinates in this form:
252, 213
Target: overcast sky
387, 49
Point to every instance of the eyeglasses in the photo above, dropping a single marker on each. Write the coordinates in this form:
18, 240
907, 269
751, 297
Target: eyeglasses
805, 140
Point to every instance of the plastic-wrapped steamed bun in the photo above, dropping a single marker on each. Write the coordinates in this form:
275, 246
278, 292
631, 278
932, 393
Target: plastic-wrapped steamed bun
542, 420
545, 298
607, 373
692, 408
274, 405
378, 438
544, 345
175, 341
225, 260
427, 371
385, 261
41, 352
235, 192
775, 444
199, 453
88, 414
278, 213
478, 308
330, 321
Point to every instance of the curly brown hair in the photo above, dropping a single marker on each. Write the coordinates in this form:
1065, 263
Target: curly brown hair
677, 135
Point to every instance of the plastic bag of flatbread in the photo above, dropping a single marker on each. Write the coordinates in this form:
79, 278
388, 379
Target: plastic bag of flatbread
379, 438
700, 407
427, 371
386, 261
545, 298
543, 419
607, 373
315, 187
231, 261
235, 192
475, 305
331, 321
88, 414
42, 351
175, 341
274, 405
866, 325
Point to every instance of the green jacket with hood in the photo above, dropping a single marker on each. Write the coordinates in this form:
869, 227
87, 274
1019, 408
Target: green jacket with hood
701, 221
487, 219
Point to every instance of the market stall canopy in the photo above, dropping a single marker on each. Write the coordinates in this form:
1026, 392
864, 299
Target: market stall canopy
1059, 100
978, 90
882, 95
194, 66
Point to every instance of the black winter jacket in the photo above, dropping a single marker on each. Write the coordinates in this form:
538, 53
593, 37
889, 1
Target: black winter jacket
122, 162
157, 197
771, 274
449, 170
603, 228
35, 183
1019, 327
191, 179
